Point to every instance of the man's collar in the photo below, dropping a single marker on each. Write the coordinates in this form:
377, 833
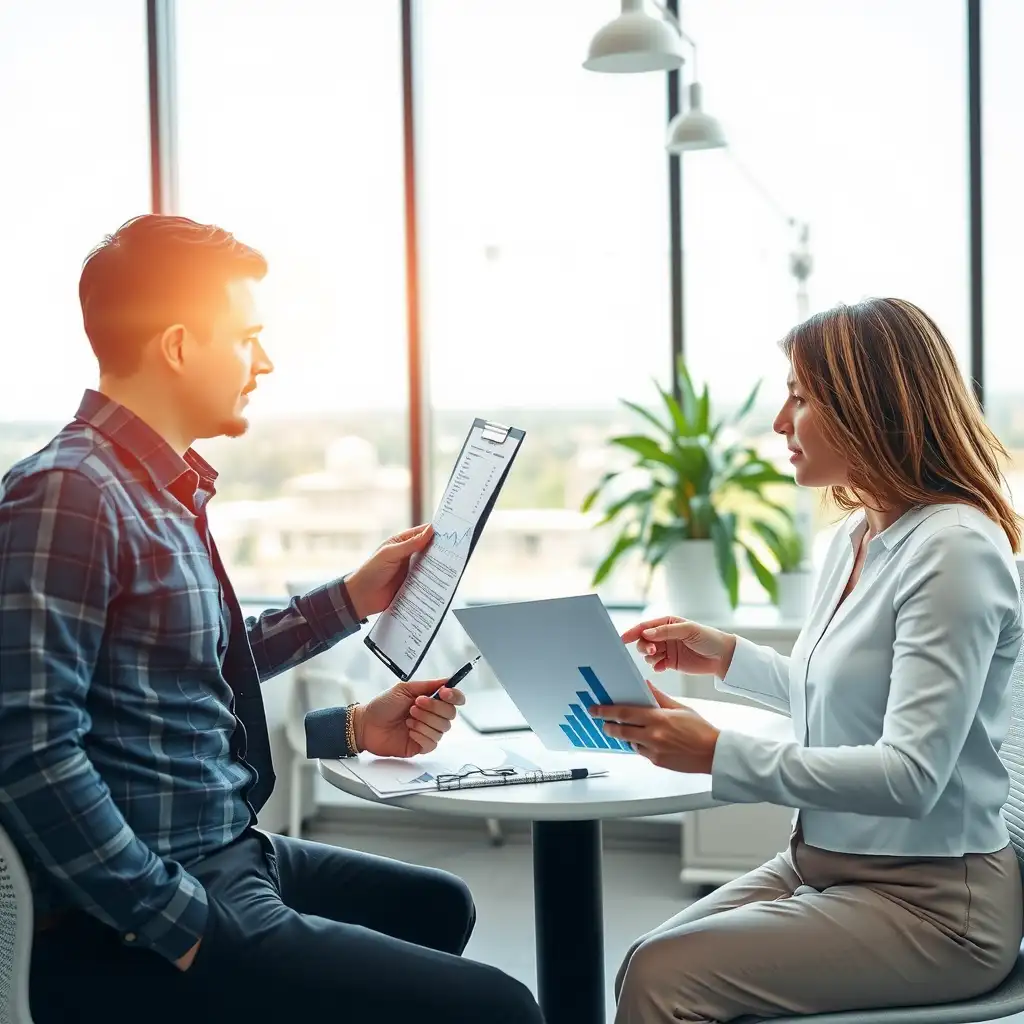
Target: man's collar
139, 439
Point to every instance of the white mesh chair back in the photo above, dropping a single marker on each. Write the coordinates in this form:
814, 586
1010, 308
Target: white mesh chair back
1012, 753
16, 927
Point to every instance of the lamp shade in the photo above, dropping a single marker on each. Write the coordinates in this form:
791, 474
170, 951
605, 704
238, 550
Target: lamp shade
635, 41
694, 129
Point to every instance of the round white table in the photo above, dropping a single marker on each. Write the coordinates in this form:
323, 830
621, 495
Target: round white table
566, 819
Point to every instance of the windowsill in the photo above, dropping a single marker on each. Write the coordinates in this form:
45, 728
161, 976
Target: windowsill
758, 622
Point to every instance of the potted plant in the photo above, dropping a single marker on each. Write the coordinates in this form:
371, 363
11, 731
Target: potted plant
699, 493
793, 579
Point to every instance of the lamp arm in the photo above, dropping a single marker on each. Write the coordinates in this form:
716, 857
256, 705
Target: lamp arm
756, 185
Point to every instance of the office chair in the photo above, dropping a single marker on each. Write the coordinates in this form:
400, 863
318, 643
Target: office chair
16, 927
1007, 998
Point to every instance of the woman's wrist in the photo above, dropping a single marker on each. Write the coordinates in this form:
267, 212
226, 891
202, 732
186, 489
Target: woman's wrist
728, 650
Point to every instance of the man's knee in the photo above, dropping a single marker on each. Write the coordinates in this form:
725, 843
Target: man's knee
499, 999
446, 898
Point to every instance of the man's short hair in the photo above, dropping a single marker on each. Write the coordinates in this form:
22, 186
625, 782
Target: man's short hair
155, 271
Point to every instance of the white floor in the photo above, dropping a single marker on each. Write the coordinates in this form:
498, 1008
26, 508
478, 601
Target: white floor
641, 885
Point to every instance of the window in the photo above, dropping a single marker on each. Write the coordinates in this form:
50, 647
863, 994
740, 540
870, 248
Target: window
290, 131
75, 128
1003, 171
544, 202
850, 117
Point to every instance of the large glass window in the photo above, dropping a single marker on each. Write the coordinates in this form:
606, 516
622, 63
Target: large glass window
74, 134
849, 118
1003, 150
291, 137
544, 198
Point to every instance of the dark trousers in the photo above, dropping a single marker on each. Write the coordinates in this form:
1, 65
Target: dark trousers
295, 927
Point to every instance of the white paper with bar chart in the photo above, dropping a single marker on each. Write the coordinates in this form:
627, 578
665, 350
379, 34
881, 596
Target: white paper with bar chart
404, 631
555, 659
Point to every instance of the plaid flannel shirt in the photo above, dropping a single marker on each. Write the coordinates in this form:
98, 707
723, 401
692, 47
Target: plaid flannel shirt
120, 756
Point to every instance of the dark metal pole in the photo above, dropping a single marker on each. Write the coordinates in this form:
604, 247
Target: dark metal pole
976, 188
419, 409
675, 214
567, 902
163, 106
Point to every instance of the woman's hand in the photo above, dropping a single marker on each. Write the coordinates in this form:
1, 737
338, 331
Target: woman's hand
406, 720
671, 735
674, 643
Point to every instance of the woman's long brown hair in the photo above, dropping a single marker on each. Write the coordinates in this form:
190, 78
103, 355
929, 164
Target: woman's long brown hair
892, 400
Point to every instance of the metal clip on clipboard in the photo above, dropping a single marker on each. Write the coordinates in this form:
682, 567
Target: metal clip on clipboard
496, 433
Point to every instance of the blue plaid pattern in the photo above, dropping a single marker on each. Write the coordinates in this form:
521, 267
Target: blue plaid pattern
122, 759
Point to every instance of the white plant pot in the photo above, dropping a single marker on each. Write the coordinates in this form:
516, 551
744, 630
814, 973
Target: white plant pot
794, 598
692, 583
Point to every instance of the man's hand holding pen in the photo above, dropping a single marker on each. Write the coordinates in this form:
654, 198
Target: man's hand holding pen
410, 718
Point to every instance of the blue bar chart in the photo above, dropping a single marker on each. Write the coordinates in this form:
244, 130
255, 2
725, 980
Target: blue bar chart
579, 727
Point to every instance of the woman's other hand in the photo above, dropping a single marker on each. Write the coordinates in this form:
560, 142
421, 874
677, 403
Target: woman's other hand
682, 645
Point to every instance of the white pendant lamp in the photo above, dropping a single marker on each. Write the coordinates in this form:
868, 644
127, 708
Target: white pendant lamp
693, 129
635, 41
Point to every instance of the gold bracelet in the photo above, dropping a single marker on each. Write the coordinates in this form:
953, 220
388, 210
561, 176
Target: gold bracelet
350, 730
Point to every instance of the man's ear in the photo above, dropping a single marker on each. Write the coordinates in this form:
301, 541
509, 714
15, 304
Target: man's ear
171, 344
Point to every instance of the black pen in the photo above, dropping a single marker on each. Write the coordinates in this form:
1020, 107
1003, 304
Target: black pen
457, 678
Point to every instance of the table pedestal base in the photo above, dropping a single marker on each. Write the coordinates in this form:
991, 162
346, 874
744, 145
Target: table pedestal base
569, 921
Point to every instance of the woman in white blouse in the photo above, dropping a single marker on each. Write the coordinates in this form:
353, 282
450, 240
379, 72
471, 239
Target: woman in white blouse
899, 885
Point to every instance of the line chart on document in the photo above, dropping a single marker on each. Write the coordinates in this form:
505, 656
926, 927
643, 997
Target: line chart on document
452, 532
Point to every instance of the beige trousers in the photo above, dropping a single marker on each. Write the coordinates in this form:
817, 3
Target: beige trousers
814, 931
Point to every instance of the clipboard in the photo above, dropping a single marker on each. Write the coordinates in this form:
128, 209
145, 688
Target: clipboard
493, 434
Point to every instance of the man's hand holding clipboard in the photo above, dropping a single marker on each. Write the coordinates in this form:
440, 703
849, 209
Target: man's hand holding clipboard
404, 631
372, 587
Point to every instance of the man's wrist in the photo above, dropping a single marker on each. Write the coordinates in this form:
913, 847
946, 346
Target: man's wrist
356, 713
353, 597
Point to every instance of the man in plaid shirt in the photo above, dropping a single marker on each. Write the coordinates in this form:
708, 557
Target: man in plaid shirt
134, 754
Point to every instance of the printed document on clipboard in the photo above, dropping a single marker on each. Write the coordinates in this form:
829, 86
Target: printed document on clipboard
403, 632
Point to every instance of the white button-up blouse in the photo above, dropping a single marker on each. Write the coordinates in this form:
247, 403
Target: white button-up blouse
898, 696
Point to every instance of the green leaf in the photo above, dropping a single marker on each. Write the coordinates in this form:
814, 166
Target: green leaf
783, 511
663, 537
785, 545
745, 408
650, 417
641, 498
646, 447
623, 543
592, 496
683, 426
753, 478
687, 395
763, 574
702, 420
771, 537
723, 533
693, 467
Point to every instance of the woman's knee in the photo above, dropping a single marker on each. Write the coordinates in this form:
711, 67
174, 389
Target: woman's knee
653, 983
624, 965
